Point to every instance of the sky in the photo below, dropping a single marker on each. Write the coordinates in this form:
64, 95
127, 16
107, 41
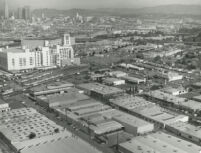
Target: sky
92, 4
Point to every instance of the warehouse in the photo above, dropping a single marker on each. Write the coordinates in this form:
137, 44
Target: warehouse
98, 125
113, 81
178, 102
135, 80
71, 96
24, 127
175, 91
62, 145
148, 111
117, 74
158, 143
170, 76
56, 87
133, 124
100, 91
186, 130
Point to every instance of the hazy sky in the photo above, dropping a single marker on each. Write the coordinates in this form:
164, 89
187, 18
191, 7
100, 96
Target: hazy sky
66, 4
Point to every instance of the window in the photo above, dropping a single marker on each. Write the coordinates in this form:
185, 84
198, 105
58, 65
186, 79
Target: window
31, 61
24, 61
20, 61
13, 62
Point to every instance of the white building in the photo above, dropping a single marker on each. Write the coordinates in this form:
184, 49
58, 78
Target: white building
171, 76
64, 53
4, 107
117, 74
113, 81
17, 59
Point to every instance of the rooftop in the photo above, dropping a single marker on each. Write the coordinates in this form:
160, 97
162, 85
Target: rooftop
172, 89
17, 125
131, 120
130, 102
106, 127
160, 143
65, 145
111, 79
61, 99
160, 115
100, 88
133, 79
14, 50
52, 86
187, 129
191, 104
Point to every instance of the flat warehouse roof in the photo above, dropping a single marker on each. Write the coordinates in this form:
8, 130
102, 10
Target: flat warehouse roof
67, 145
187, 128
100, 88
132, 120
160, 143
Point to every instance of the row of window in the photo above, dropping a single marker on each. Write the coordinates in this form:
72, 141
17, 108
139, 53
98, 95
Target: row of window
23, 61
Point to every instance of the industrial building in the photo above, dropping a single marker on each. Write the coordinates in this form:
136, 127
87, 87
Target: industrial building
53, 88
71, 95
133, 124
62, 145
175, 91
170, 76
131, 66
171, 100
25, 127
97, 90
113, 81
158, 143
117, 74
135, 80
4, 107
186, 130
148, 111
100, 126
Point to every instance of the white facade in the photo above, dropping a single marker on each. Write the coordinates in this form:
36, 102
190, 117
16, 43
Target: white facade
4, 107
64, 55
16, 59
114, 81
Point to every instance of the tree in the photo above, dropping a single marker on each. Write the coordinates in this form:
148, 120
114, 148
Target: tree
140, 55
56, 130
157, 59
32, 135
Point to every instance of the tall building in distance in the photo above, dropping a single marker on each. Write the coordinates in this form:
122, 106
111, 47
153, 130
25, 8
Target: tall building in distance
26, 13
19, 13
6, 11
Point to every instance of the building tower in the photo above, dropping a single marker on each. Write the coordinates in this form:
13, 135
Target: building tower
26, 13
66, 40
6, 11
20, 13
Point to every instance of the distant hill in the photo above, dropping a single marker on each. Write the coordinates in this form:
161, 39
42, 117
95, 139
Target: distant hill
70, 12
173, 9
163, 9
